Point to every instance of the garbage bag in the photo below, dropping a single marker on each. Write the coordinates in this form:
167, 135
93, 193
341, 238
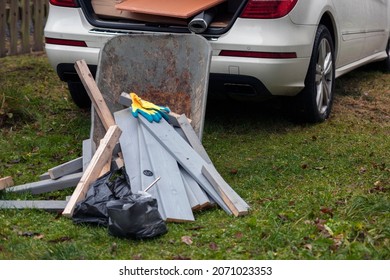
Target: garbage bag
111, 186
135, 217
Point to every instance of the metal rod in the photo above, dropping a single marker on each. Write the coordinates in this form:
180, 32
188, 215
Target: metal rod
151, 185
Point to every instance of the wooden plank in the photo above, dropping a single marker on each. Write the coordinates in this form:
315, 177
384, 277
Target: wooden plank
235, 203
171, 8
145, 160
199, 195
73, 166
48, 185
231, 198
107, 8
100, 158
185, 155
6, 182
195, 205
48, 205
192, 138
3, 25
94, 93
89, 149
44, 176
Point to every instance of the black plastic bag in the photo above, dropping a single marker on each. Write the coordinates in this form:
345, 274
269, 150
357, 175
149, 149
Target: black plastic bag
111, 186
135, 217
110, 202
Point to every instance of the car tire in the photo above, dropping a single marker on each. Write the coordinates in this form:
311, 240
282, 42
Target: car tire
317, 96
79, 94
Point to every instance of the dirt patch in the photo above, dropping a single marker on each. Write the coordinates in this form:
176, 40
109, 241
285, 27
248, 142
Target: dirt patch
365, 94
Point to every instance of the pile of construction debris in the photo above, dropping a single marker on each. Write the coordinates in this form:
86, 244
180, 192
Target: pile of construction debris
166, 154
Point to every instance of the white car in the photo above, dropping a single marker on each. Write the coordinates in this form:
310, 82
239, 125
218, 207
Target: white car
260, 47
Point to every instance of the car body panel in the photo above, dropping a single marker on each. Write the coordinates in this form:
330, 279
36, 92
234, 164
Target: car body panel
360, 29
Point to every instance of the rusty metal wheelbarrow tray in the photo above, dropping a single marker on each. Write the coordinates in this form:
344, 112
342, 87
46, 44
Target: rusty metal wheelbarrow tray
167, 69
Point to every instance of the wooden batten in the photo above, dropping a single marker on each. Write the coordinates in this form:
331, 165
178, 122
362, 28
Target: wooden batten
94, 93
99, 160
6, 182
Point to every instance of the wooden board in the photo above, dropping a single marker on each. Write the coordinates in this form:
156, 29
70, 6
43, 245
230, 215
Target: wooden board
235, 203
185, 155
99, 160
145, 160
6, 182
192, 138
49, 205
106, 9
94, 94
48, 185
70, 167
170, 8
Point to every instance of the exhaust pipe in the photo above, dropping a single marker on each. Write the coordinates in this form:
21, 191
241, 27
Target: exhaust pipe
200, 22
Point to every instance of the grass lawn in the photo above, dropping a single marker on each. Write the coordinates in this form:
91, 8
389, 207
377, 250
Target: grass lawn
316, 191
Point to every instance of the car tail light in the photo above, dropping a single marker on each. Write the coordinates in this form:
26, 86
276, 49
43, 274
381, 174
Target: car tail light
265, 9
64, 3
74, 43
258, 54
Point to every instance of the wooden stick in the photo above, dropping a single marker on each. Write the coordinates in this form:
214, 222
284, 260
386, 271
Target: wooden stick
48, 185
94, 93
70, 167
48, 205
235, 203
6, 182
100, 158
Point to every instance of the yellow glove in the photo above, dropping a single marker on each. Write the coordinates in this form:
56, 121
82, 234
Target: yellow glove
147, 109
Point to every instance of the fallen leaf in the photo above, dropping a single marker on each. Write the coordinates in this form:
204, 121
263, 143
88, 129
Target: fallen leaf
337, 241
378, 189
213, 246
308, 247
60, 239
327, 210
323, 228
239, 235
113, 248
283, 217
39, 236
233, 171
187, 239
319, 168
304, 166
362, 170
196, 228
28, 233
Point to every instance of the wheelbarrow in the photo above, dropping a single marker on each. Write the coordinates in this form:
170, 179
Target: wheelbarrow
166, 69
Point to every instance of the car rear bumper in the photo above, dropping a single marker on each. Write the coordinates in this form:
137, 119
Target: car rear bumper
261, 75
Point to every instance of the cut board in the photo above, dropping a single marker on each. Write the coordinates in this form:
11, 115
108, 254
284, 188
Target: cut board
145, 160
171, 8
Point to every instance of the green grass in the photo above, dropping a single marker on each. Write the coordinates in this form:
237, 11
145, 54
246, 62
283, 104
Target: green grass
315, 191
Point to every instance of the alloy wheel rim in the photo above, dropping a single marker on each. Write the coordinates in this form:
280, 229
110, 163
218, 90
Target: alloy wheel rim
324, 76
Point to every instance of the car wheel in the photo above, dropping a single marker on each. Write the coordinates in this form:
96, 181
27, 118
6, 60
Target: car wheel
317, 96
79, 95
